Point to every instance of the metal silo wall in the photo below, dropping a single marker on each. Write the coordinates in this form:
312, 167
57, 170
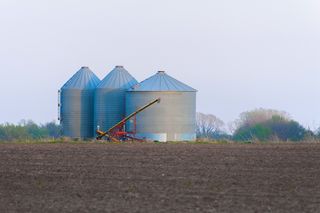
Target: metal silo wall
173, 119
109, 107
77, 113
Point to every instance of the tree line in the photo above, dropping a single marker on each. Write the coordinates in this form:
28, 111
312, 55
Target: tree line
29, 130
256, 125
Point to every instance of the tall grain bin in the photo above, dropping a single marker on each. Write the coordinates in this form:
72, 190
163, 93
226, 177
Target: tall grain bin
109, 107
76, 107
173, 119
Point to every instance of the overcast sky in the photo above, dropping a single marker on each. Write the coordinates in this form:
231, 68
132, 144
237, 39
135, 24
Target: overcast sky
240, 55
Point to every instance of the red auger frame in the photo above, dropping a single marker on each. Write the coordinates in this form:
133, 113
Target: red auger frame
117, 133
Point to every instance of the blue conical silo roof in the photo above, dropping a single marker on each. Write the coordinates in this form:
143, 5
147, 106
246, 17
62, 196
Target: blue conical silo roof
83, 79
118, 78
162, 82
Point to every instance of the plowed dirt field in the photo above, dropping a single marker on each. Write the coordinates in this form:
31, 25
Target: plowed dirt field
159, 178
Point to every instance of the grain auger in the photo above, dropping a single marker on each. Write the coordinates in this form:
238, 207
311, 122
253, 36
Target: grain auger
117, 133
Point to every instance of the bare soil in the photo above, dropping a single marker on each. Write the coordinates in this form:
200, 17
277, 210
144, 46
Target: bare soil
159, 178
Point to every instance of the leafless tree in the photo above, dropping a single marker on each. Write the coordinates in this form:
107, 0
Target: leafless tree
208, 125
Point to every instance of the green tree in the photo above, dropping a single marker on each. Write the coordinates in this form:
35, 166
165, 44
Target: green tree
53, 129
257, 131
268, 124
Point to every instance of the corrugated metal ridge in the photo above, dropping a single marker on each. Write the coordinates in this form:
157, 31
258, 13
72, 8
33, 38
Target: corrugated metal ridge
118, 78
82, 79
171, 84
162, 82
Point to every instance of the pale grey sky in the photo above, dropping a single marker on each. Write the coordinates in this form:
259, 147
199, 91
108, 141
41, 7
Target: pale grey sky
239, 54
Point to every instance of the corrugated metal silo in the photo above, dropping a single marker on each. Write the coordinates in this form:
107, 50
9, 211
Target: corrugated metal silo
110, 98
76, 107
173, 119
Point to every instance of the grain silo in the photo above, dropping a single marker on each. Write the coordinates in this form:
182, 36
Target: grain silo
109, 99
173, 119
76, 104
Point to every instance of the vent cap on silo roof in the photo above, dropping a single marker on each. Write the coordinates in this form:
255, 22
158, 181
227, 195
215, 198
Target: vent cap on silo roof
162, 82
119, 77
83, 79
